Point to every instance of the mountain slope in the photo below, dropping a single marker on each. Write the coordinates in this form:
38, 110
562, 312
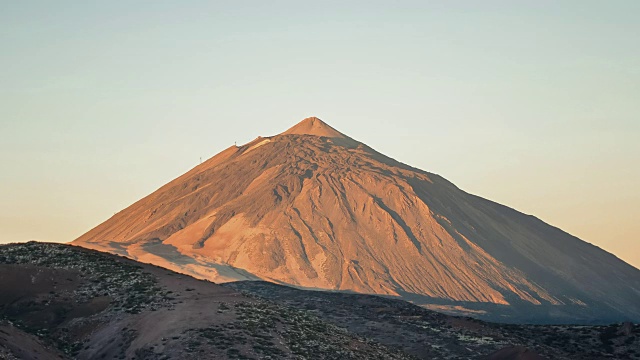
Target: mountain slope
430, 335
314, 208
65, 302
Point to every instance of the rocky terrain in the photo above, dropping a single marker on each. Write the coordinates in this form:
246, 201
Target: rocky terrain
314, 208
62, 302
427, 334
66, 302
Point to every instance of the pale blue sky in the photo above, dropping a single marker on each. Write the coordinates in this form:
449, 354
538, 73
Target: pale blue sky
534, 104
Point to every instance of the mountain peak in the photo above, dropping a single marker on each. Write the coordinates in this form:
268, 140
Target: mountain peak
314, 126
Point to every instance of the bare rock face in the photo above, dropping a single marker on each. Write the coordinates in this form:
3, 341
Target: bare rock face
314, 208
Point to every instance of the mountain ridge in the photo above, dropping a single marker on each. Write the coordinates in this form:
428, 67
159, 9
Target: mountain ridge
64, 302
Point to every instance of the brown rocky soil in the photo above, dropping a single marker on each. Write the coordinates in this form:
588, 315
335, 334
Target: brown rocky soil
66, 302
62, 301
427, 334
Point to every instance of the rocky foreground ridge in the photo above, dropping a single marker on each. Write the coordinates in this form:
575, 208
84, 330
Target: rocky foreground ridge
65, 302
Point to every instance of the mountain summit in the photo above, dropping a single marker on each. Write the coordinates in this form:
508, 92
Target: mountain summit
314, 208
314, 126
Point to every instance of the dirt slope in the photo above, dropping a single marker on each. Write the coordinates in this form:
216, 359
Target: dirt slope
427, 334
61, 301
66, 302
314, 208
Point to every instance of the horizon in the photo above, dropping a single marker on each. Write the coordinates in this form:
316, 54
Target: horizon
542, 119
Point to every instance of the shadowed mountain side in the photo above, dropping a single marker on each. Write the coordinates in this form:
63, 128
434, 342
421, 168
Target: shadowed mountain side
16, 344
314, 208
519, 311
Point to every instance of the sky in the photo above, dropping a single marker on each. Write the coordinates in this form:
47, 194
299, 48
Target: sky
532, 104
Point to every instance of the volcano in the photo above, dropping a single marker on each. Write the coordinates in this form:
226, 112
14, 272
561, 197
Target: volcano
314, 208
